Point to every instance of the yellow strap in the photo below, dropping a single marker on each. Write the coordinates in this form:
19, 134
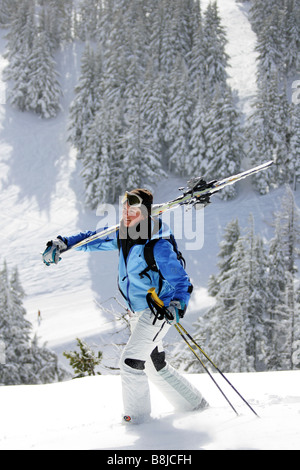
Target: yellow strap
155, 297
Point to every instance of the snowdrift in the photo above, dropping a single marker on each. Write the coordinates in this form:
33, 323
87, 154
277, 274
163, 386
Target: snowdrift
86, 413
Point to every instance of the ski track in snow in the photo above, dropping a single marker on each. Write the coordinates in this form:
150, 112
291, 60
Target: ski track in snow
41, 196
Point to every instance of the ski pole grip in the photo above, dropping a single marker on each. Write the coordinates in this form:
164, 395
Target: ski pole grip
155, 297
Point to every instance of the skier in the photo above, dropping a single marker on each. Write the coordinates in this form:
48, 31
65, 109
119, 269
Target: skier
143, 357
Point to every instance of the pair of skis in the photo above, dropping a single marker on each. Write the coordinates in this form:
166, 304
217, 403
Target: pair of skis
197, 192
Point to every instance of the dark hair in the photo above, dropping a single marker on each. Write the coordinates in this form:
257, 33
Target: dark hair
146, 196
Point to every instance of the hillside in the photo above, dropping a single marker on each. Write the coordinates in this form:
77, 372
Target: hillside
41, 196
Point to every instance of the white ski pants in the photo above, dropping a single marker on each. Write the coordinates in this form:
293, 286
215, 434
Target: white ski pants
143, 357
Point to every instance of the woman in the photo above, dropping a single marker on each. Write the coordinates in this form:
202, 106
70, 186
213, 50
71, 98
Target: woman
143, 356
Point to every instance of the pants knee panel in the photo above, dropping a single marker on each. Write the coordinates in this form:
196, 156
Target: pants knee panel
158, 359
136, 364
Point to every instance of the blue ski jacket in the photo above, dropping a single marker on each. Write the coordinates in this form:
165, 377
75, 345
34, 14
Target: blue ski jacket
174, 283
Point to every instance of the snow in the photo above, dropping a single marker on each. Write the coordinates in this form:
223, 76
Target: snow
85, 414
41, 194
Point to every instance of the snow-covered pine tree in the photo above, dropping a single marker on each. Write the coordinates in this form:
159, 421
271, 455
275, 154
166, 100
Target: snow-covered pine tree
196, 160
196, 58
231, 235
261, 11
254, 304
277, 320
25, 361
56, 19
179, 118
44, 90
215, 56
293, 160
41, 365
88, 19
296, 345
271, 45
277, 103
7, 11
224, 139
235, 333
83, 107
166, 51
31, 68
101, 158
18, 48
141, 164
276, 23
14, 328
291, 20
278, 48
268, 134
154, 105
216, 324
289, 219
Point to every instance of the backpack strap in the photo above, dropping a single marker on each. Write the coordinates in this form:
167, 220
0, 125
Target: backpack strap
150, 259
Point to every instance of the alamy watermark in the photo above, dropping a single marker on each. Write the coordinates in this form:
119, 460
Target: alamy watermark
186, 223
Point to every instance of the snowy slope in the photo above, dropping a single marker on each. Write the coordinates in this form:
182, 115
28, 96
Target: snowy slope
41, 196
86, 414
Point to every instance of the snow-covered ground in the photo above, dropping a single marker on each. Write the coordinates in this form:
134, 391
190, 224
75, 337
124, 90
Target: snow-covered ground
86, 414
41, 196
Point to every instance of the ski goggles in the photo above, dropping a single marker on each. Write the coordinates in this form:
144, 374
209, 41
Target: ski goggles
132, 199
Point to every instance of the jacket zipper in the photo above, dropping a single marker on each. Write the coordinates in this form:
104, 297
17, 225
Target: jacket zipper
128, 282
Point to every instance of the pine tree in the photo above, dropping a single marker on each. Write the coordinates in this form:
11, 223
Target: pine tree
268, 134
197, 161
290, 233
31, 68
293, 161
215, 57
56, 20
223, 138
196, 57
7, 11
83, 108
276, 314
231, 235
101, 166
283, 309
216, 325
85, 361
89, 18
44, 91
270, 45
154, 105
25, 361
296, 344
179, 118
19, 45
235, 333
260, 11
278, 45
291, 16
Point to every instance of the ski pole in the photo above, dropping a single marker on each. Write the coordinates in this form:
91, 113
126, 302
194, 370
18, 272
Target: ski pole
153, 298
179, 326
205, 368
